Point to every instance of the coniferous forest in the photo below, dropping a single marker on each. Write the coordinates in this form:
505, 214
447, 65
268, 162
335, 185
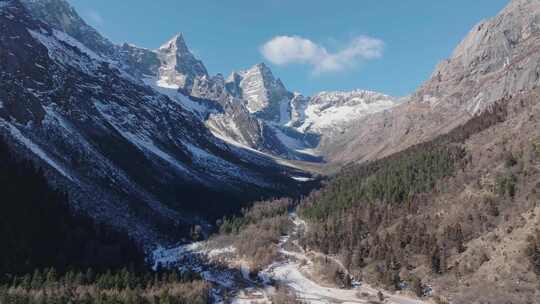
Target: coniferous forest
39, 229
52, 254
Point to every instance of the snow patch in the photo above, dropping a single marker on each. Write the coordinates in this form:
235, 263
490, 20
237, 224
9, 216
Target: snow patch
302, 179
221, 251
171, 90
334, 109
221, 167
171, 256
37, 150
140, 141
56, 47
61, 36
168, 256
52, 116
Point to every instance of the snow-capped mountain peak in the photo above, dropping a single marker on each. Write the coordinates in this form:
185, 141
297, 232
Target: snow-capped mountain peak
176, 44
179, 67
116, 145
328, 111
262, 93
252, 107
352, 97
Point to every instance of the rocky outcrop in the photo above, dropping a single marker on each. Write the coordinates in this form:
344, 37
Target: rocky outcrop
179, 67
261, 92
251, 108
498, 59
61, 16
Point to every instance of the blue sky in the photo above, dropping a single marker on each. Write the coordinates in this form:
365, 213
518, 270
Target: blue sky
390, 46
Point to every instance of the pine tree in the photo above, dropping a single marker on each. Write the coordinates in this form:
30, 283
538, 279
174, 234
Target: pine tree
37, 279
51, 277
90, 276
26, 282
416, 285
436, 260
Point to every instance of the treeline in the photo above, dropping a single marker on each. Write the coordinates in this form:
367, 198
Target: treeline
369, 214
53, 254
533, 250
399, 177
38, 229
123, 286
254, 214
392, 180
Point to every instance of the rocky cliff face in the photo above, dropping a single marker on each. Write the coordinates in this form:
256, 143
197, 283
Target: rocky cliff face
300, 124
498, 59
263, 94
61, 16
179, 68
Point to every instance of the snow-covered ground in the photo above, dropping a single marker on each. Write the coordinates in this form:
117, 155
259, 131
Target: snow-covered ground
331, 110
171, 91
290, 271
18, 135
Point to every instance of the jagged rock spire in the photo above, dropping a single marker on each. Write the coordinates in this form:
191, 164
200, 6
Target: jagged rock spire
179, 66
260, 90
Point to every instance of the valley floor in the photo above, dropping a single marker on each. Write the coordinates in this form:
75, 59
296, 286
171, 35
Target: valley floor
293, 272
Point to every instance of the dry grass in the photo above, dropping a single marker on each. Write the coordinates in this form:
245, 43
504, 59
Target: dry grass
494, 268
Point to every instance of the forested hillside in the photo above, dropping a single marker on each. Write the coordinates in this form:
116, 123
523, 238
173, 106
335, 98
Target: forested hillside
38, 229
455, 218
440, 213
52, 254
116, 287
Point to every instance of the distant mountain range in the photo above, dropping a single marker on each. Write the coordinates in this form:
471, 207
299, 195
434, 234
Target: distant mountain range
148, 140
438, 191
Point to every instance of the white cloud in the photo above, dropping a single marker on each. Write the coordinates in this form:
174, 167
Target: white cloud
284, 50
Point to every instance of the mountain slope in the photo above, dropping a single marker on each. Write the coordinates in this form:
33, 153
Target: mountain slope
455, 218
244, 109
447, 204
39, 230
261, 92
128, 154
498, 59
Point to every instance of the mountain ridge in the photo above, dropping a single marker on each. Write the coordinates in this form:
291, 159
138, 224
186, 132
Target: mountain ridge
87, 121
268, 101
459, 88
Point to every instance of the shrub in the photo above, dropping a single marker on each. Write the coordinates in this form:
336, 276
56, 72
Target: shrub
533, 250
506, 185
510, 160
285, 296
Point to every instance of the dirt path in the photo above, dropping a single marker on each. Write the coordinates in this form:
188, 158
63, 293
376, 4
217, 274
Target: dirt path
290, 272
